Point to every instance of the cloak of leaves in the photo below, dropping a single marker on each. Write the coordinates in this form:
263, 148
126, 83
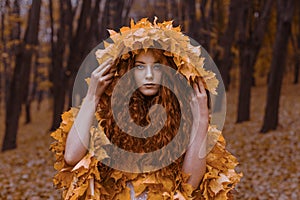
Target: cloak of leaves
90, 179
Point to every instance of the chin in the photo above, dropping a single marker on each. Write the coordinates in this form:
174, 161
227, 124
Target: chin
149, 92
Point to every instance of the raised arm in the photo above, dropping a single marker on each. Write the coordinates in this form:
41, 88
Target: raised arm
78, 137
195, 161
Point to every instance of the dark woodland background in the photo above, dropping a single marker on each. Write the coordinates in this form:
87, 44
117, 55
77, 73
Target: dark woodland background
254, 43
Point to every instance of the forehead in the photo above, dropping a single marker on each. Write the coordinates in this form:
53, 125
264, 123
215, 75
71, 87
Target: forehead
149, 57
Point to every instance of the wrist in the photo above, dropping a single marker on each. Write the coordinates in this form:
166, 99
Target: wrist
198, 125
91, 100
198, 132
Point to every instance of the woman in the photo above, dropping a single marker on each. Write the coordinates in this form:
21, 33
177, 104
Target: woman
179, 180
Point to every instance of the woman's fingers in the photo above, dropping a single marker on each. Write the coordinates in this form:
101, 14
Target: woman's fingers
105, 70
201, 86
103, 67
199, 89
196, 89
107, 77
199, 96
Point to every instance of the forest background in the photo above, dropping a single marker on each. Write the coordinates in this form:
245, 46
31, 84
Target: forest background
254, 43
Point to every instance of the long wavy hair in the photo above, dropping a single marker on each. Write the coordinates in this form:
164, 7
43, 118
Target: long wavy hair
139, 106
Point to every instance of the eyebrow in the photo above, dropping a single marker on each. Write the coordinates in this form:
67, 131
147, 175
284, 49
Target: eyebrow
137, 61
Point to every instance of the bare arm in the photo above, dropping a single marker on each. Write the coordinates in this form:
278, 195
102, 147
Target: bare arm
195, 161
78, 137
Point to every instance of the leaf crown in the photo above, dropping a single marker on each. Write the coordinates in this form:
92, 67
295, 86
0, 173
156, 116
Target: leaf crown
144, 35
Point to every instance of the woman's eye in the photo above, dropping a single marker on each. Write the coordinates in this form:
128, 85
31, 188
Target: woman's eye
140, 67
157, 66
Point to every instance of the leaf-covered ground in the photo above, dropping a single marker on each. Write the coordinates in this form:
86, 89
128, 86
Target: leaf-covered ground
270, 162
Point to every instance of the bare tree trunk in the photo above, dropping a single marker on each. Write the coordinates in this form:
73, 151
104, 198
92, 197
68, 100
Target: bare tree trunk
93, 38
161, 9
203, 36
296, 72
245, 68
3, 61
18, 83
115, 13
192, 23
285, 10
226, 41
57, 73
250, 40
173, 10
15, 37
32, 89
78, 48
181, 14
297, 50
104, 21
127, 8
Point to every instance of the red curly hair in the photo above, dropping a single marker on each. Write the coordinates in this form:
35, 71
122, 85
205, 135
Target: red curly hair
139, 106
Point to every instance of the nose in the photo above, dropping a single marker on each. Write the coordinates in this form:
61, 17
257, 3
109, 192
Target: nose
149, 73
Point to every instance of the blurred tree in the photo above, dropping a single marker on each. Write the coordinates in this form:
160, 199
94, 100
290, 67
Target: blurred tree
102, 32
3, 54
161, 9
10, 38
182, 19
30, 89
296, 43
206, 24
252, 28
58, 45
173, 11
200, 28
78, 47
115, 13
93, 32
193, 27
297, 64
227, 40
14, 41
285, 10
20, 79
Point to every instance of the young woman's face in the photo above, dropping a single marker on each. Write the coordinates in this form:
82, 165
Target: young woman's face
147, 73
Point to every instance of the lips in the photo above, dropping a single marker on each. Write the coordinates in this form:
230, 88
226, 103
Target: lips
149, 85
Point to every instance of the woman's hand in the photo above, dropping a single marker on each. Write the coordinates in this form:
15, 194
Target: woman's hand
194, 161
199, 106
78, 137
101, 77
199, 103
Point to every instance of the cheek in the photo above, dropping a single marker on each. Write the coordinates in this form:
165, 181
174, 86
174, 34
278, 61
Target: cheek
158, 76
137, 77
